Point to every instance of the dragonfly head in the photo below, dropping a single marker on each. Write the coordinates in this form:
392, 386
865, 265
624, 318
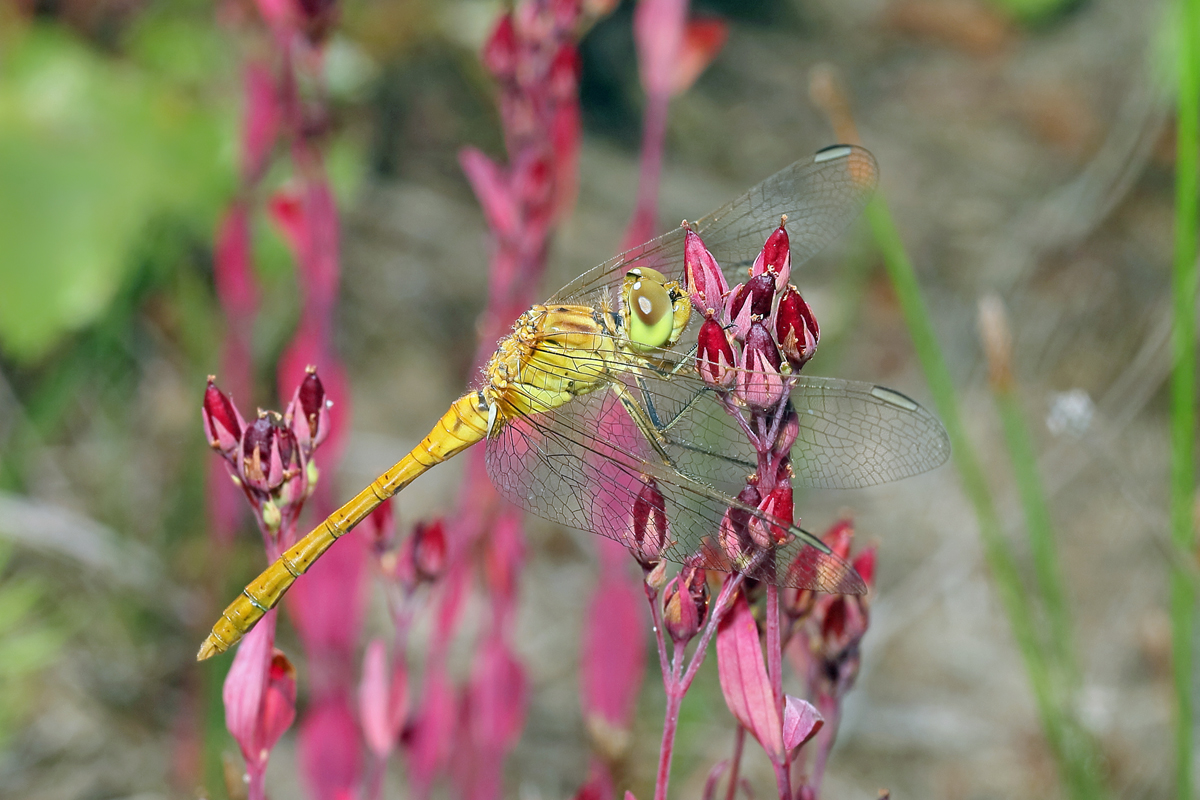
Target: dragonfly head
655, 310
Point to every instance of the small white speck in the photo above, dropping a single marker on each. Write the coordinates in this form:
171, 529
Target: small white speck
1071, 413
645, 305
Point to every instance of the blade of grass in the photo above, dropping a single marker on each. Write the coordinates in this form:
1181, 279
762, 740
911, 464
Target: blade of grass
1072, 749
1183, 379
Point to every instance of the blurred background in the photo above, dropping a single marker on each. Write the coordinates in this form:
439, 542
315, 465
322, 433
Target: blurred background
1026, 150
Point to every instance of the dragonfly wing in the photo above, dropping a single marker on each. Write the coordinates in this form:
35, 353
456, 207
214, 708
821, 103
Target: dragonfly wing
584, 465
821, 195
851, 434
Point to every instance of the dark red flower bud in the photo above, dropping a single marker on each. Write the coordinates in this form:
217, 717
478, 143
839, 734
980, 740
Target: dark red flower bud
261, 467
429, 550
317, 17
761, 289
500, 51
797, 329
759, 383
685, 604
308, 412
777, 505
223, 425
705, 281
715, 359
649, 536
776, 257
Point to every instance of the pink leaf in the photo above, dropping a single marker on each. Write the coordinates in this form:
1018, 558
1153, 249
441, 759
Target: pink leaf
245, 685
744, 680
614, 651
702, 40
492, 187
801, 721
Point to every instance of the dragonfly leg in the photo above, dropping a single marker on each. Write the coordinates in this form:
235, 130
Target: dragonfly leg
646, 420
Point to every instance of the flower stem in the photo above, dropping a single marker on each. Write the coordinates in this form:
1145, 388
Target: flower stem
675, 693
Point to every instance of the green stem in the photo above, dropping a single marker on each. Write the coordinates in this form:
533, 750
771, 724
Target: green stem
1078, 776
1047, 571
1183, 378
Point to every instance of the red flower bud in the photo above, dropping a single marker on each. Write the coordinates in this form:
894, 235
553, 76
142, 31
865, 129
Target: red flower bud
308, 412
797, 329
761, 289
500, 51
737, 310
649, 537
705, 281
223, 425
776, 257
760, 384
778, 505
715, 359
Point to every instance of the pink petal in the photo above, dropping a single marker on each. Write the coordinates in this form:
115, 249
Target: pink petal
493, 189
373, 700
801, 721
279, 700
245, 685
614, 651
330, 757
703, 38
658, 33
327, 608
744, 680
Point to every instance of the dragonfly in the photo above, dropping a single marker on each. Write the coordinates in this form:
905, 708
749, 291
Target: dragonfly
588, 401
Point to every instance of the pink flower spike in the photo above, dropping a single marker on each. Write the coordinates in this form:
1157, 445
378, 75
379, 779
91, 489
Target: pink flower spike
330, 756
493, 189
260, 127
613, 660
744, 680
705, 281
801, 721
775, 257
760, 384
223, 424
703, 39
382, 699
429, 740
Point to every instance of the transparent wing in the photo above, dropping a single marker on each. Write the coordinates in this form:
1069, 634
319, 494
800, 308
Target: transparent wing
851, 434
821, 196
585, 463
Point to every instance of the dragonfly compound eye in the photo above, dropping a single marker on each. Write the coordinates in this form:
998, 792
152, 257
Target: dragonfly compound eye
651, 312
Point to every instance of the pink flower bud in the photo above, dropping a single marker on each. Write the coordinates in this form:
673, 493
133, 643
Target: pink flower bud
797, 329
260, 465
501, 51
685, 604
223, 425
737, 312
308, 413
649, 536
760, 383
715, 359
705, 281
733, 535
775, 258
